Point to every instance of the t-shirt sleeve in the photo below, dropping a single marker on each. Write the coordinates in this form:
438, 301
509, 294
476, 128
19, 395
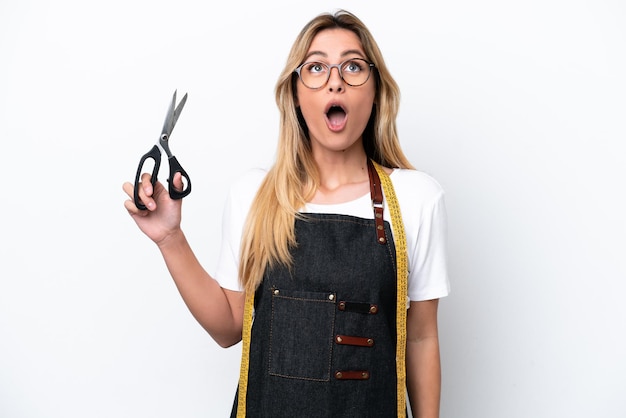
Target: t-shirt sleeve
236, 208
423, 209
428, 275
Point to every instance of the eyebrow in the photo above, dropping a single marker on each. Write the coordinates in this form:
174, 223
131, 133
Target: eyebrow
343, 54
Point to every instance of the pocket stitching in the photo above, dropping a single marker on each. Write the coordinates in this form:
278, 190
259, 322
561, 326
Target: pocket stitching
329, 339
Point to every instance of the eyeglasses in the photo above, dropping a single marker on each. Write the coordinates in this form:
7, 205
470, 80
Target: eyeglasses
354, 72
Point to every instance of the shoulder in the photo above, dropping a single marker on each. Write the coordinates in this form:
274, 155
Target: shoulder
247, 183
416, 185
242, 192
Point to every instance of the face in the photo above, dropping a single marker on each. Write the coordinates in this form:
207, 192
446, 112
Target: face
337, 113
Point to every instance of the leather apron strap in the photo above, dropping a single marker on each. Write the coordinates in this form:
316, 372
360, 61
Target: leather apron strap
377, 202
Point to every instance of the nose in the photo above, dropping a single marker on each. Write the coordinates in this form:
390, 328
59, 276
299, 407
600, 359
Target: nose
335, 82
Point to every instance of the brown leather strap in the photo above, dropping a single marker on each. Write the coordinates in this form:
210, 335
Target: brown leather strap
352, 340
352, 375
376, 191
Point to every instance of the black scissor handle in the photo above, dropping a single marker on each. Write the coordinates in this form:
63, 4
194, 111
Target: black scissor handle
155, 154
175, 167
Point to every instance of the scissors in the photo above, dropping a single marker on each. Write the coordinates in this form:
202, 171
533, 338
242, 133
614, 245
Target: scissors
173, 112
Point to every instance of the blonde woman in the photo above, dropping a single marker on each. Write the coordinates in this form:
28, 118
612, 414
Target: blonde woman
326, 258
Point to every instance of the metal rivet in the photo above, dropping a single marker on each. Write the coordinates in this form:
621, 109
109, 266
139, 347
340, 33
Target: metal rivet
373, 309
339, 339
276, 291
338, 375
380, 227
370, 341
365, 375
381, 239
331, 297
378, 215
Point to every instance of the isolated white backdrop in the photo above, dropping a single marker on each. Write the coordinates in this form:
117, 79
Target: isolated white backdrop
517, 108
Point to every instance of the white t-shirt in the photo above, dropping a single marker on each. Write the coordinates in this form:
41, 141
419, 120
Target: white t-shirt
422, 206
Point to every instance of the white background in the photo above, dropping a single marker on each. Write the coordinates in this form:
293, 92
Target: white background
517, 108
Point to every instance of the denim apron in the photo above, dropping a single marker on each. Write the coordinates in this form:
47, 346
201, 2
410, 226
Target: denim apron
323, 340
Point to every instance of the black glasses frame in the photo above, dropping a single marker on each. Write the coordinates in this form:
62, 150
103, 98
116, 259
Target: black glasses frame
329, 68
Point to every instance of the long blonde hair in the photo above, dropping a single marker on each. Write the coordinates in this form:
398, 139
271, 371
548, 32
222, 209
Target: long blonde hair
269, 231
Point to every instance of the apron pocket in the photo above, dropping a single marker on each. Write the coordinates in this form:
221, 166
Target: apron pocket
301, 334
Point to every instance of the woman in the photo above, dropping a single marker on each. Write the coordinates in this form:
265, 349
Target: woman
312, 251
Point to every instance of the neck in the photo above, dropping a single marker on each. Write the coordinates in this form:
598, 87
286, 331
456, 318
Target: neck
343, 176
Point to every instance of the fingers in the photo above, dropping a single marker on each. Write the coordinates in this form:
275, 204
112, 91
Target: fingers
146, 185
133, 209
145, 192
178, 182
130, 206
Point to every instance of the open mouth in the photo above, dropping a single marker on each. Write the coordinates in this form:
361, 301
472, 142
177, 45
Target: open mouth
336, 115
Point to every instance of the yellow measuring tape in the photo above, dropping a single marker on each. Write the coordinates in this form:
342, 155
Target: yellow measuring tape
246, 334
401, 298
402, 268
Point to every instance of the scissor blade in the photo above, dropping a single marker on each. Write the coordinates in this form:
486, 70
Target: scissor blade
172, 115
179, 108
168, 125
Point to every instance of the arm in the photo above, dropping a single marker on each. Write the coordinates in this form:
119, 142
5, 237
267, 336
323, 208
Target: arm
219, 311
422, 359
